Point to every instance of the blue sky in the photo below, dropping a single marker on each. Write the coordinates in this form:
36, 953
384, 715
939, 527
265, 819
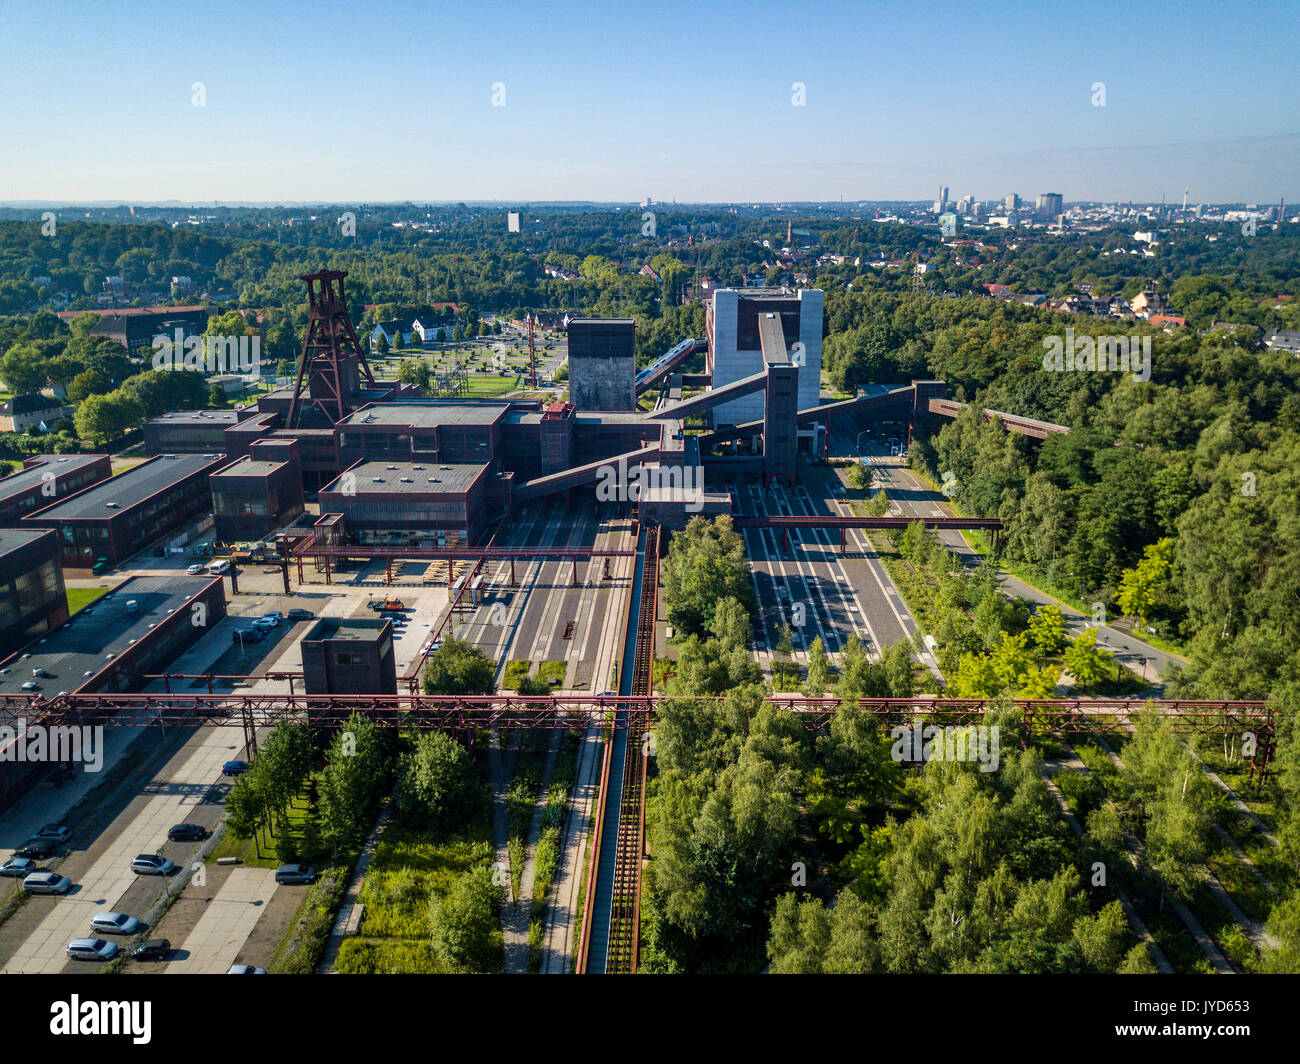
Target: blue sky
616, 101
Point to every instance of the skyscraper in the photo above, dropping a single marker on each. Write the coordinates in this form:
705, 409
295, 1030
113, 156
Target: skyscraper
943, 198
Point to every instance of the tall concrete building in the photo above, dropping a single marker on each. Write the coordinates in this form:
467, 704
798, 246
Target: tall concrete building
1050, 204
735, 347
602, 363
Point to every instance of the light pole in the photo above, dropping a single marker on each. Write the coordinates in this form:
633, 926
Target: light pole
857, 446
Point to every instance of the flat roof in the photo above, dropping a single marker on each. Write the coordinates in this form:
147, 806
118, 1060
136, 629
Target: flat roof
426, 415
13, 538
602, 321
248, 467
413, 477
198, 417
367, 628
128, 488
25, 479
83, 643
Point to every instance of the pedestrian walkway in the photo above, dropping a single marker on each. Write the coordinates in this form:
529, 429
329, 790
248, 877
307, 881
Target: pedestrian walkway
214, 943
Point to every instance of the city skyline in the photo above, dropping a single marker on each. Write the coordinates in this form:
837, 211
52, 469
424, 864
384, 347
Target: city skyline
707, 106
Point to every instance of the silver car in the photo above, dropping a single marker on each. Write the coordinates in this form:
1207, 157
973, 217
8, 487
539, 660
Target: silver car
91, 949
151, 864
47, 883
114, 924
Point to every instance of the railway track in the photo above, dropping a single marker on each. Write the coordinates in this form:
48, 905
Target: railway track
625, 902
610, 926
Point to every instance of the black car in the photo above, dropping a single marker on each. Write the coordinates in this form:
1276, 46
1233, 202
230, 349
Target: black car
155, 949
38, 849
187, 833
300, 615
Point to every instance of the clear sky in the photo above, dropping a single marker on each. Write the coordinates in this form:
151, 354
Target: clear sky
617, 101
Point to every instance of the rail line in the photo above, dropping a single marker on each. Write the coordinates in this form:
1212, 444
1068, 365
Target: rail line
612, 909
625, 900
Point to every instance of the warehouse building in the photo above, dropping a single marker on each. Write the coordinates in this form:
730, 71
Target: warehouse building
138, 628
32, 596
119, 517
411, 503
192, 431
257, 494
46, 478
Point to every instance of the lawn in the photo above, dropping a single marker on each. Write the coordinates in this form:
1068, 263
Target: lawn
409, 868
81, 597
552, 672
515, 671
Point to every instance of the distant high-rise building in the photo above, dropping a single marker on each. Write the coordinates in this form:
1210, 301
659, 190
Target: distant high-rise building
943, 198
1012, 202
1050, 204
512, 221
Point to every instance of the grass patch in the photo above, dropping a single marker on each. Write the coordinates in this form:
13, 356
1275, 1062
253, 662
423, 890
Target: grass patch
552, 672
410, 868
515, 672
81, 597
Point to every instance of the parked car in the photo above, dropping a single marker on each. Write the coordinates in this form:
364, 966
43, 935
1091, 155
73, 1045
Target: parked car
114, 924
235, 768
187, 833
57, 832
265, 623
154, 949
18, 867
247, 635
91, 949
301, 615
219, 568
38, 849
195, 569
44, 882
274, 615
151, 864
244, 969
294, 874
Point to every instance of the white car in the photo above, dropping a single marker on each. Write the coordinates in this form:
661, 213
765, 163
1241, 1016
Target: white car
47, 883
57, 832
219, 568
244, 969
114, 924
91, 949
266, 623
195, 569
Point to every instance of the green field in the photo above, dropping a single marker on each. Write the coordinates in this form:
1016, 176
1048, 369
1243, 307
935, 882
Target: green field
81, 597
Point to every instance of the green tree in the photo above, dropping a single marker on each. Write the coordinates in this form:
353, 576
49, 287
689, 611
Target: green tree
458, 668
101, 418
464, 925
434, 784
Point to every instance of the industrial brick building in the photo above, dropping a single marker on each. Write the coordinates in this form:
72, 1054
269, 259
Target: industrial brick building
138, 628
192, 431
602, 363
416, 503
46, 478
119, 517
351, 656
259, 493
32, 595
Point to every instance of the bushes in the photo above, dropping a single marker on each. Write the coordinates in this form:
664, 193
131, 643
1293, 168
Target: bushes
434, 786
464, 926
307, 941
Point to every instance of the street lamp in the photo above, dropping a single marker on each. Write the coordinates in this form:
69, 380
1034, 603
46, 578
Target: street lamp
857, 446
